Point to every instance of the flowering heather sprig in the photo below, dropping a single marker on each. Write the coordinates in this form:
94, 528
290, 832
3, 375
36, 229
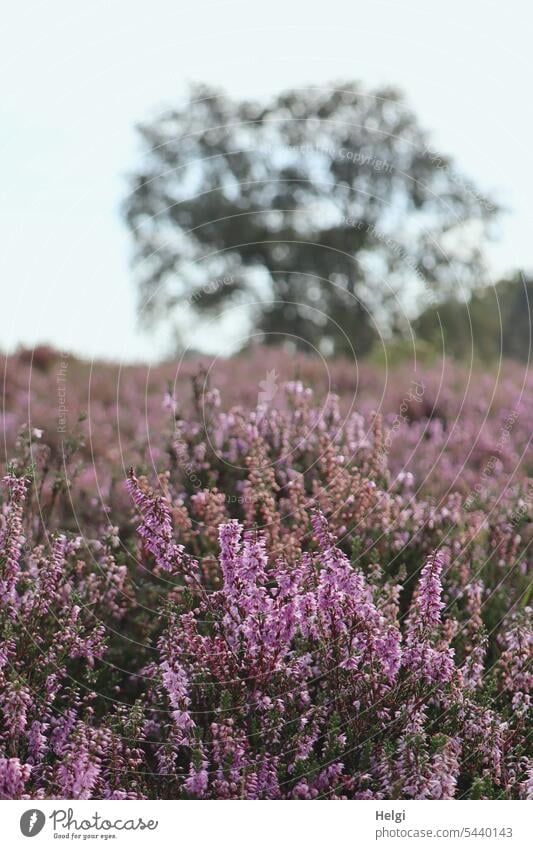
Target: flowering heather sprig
260, 491
420, 656
424, 615
62, 727
230, 545
37, 741
474, 665
444, 770
526, 787
516, 661
176, 685
15, 700
347, 608
81, 764
11, 539
156, 530
13, 778
50, 574
156, 527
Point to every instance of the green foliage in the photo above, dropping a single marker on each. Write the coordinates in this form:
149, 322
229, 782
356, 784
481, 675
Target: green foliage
495, 322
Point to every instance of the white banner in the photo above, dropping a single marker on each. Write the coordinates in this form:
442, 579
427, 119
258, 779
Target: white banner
281, 825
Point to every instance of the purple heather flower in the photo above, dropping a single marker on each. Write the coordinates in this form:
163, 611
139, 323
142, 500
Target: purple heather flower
13, 778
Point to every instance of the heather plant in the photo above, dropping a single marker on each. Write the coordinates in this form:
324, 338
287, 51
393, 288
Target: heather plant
271, 603
450, 439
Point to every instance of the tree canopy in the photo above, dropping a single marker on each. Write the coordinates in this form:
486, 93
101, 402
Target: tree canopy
325, 210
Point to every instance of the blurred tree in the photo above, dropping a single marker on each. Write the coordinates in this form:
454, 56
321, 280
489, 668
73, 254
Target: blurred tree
517, 296
494, 322
325, 210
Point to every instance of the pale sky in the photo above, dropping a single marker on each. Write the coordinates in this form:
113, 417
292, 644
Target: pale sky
76, 76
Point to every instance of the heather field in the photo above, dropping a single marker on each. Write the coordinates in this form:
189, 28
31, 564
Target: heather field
270, 577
